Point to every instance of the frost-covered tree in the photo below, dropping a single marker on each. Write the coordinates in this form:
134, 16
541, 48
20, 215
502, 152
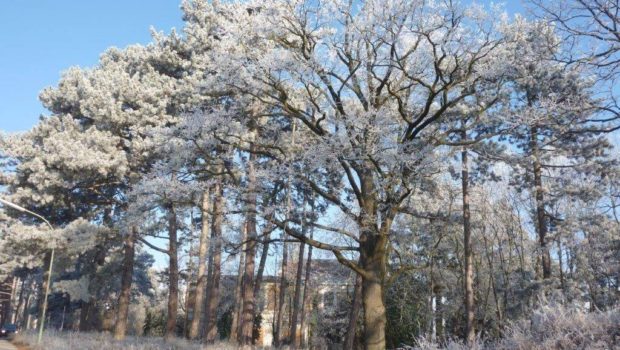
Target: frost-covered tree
555, 102
370, 87
119, 102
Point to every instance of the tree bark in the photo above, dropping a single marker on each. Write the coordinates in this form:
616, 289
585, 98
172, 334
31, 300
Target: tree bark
349, 340
13, 300
293, 338
373, 261
247, 319
279, 312
306, 296
215, 264
20, 302
281, 296
541, 225
235, 327
173, 275
25, 309
266, 236
203, 251
374, 312
120, 328
470, 332
190, 299
373, 243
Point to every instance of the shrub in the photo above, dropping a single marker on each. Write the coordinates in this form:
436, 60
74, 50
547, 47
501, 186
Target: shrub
550, 327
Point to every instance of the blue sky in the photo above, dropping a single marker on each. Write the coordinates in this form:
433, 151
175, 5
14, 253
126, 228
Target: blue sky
39, 39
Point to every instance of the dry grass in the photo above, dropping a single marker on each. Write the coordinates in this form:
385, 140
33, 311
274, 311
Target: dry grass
20, 345
102, 341
560, 327
551, 327
548, 328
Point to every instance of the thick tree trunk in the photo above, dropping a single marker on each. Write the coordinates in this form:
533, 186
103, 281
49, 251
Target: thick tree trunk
120, 328
470, 332
356, 305
249, 306
203, 251
374, 312
293, 338
215, 264
541, 225
173, 275
373, 261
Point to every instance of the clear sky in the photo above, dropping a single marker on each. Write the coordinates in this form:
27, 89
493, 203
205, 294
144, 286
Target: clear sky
39, 39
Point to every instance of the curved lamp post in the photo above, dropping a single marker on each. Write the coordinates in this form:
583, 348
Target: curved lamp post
49, 272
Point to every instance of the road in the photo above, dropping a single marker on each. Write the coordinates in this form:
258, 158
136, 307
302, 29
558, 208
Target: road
5, 345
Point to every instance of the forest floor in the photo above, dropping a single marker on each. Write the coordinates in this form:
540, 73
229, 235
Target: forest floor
54, 340
21, 346
6, 345
550, 327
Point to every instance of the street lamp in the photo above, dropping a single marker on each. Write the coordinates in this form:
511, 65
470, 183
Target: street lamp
49, 272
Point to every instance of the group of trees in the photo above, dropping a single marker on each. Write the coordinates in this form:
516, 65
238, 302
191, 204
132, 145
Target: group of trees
459, 162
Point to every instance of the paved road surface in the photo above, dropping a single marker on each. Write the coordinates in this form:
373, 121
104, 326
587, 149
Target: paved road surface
5, 345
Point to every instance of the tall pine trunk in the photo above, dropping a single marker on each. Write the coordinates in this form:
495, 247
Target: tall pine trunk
279, 312
238, 307
306, 297
293, 338
173, 275
120, 327
215, 264
13, 300
203, 251
249, 305
470, 332
281, 296
25, 310
306, 294
20, 302
541, 222
266, 236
